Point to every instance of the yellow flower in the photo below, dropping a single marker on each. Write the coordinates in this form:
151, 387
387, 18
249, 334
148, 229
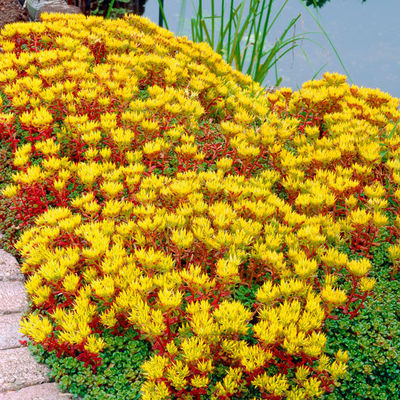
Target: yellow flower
155, 367
199, 381
187, 150
104, 288
337, 370
228, 269
169, 299
380, 219
313, 388
359, 268
195, 349
333, 296
230, 129
70, 282
253, 357
230, 383
302, 373
267, 293
10, 191
94, 344
342, 356
149, 126
233, 317
276, 384
36, 327
41, 295
171, 348
305, 268
177, 374
182, 238
155, 391
111, 189
367, 284
105, 153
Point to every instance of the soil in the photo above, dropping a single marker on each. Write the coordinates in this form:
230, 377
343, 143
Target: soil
11, 11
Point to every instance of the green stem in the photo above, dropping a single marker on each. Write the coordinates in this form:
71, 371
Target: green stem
254, 5
328, 38
221, 30
230, 26
212, 22
257, 33
263, 36
160, 4
110, 7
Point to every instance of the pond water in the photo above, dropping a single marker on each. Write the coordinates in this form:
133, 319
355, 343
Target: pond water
365, 34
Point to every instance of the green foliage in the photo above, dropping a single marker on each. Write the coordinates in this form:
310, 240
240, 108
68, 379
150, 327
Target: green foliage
246, 294
117, 8
119, 377
372, 340
321, 3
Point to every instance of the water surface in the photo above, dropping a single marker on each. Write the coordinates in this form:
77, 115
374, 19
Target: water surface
365, 34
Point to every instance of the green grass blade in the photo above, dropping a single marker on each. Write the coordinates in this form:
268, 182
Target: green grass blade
239, 33
268, 63
110, 7
212, 22
393, 130
267, 28
200, 18
310, 63
328, 38
182, 13
256, 36
237, 23
254, 19
205, 30
162, 13
280, 44
221, 29
230, 22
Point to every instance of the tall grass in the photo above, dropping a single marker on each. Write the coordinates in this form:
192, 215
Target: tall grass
238, 30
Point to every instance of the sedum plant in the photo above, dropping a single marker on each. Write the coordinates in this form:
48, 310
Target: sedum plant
154, 181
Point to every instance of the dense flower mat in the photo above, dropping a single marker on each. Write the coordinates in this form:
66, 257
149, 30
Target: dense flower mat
159, 179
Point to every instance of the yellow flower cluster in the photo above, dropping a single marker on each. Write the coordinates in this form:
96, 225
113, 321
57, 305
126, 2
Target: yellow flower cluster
149, 284
174, 179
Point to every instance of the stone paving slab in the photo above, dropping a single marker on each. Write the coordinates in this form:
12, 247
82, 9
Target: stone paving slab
18, 369
9, 267
45, 391
21, 377
9, 331
58, 7
12, 297
37, 7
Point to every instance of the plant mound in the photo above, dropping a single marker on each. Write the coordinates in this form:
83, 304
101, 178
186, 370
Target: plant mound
155, 182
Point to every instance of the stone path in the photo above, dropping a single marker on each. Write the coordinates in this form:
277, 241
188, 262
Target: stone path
37, 7
21, 377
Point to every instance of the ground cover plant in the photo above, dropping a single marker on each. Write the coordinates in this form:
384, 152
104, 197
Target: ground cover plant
373, 345
164, 197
